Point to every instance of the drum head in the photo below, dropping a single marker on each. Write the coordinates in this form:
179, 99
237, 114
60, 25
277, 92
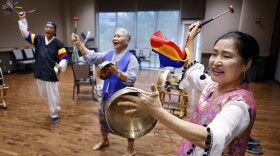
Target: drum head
162, 78
102, 73
132, 125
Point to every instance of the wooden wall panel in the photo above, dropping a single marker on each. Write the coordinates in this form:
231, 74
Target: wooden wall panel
193, 9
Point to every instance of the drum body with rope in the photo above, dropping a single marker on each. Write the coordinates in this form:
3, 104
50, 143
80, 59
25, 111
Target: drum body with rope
172, 98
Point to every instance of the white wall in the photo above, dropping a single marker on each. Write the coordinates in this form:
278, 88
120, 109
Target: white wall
228, 22
246, 12
59, 11
85, 10
264, 11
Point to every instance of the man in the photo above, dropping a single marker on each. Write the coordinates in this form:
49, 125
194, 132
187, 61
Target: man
50, 55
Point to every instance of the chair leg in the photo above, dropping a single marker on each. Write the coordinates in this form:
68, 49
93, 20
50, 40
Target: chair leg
73, 91
78, 89
92, 92
140, 64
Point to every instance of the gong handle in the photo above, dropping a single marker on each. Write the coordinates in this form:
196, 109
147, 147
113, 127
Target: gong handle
156, 93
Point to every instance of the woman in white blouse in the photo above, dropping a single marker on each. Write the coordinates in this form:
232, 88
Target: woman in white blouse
223, 118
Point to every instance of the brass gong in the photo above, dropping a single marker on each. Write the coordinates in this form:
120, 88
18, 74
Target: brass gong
57, 71
132, 125
102, 72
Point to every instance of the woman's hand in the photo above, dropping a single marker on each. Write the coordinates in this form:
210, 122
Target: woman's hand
193, 30
144, 102
191, 34
76, 40
112, 68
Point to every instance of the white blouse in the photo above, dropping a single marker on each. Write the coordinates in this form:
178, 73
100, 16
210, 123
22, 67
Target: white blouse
233, 119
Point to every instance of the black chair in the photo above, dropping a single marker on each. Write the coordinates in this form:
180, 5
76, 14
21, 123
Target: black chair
136, 52
29, 54
82, 77
21, 60
33, 49
145, 56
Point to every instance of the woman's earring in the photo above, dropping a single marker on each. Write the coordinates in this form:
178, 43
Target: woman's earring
245, 78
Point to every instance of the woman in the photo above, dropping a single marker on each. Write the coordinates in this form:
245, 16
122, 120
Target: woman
124, 71
223, 118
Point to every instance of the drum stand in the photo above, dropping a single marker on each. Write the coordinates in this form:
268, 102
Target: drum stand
3, 95
172, 98
3, 88
176, 102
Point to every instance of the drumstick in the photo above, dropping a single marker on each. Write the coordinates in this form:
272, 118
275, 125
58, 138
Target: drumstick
76, 18
75, 55
230, 9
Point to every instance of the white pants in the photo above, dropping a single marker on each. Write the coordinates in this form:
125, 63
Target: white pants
50, 92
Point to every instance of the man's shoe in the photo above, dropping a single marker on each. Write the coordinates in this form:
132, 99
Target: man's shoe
253, 141
55, 120
254, 149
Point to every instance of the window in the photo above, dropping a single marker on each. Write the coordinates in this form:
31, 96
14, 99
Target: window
168, 24
127, 20
146, 25
106, 25
140, 24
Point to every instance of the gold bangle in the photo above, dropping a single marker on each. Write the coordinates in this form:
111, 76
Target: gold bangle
81, 48
119, 74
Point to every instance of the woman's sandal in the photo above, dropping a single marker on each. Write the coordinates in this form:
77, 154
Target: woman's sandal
100, 145
132, 153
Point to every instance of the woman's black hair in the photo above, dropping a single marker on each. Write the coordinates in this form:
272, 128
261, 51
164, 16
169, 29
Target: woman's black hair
247, 45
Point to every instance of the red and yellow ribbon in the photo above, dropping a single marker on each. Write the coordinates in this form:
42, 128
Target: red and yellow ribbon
169, 53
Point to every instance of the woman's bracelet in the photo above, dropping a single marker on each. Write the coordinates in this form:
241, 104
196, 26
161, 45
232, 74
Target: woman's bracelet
119, 74
185, 70
187, 40
81, 48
